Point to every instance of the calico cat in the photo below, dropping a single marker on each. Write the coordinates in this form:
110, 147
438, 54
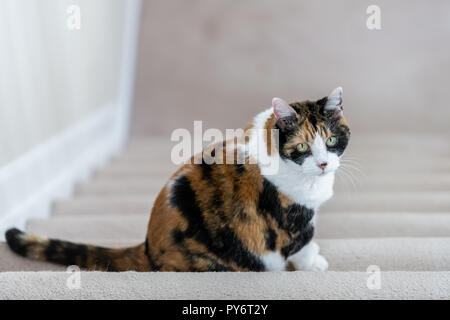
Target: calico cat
232, 217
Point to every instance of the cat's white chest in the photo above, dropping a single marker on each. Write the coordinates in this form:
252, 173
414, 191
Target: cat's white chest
308, 192
315, 194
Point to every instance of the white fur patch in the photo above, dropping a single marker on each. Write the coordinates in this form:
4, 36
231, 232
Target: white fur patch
319, 150
308, 258
274, 262
304, 189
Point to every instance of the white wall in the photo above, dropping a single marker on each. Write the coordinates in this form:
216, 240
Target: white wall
52, 77
65, 97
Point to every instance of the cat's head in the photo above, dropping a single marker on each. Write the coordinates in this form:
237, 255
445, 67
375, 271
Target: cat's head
312, 134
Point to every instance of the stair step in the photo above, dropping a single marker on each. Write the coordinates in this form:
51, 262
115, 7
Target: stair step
389, 254
373, 225
160, 171
382, 201
238, 285
350, 202
150, 167
91, 227
158, 174
391, 183
103, 205
344, 184
329, 226
132, 173
118, 188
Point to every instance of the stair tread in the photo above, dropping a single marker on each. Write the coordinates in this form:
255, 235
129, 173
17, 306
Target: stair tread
261, 285
350, 202
389, 254
329, 225
159, 171
11, 262
102, 205
128, 187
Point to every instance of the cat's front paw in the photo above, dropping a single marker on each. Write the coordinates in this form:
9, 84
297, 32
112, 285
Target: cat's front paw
309, 259
319, 263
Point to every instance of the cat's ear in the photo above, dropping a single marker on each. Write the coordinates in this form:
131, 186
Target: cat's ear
284, 114
334, 101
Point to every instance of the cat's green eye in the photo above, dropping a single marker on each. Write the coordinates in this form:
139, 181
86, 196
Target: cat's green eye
302, 147
331, 141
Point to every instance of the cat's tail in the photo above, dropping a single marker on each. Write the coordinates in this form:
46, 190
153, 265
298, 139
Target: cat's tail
87, 257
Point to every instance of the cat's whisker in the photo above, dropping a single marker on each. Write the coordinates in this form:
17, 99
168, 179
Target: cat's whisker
351, 166
348, 177
340, 176
355, 178
345, 177
355, 163
353, 171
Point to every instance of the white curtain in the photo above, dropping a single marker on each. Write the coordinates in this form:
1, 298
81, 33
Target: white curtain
51, 76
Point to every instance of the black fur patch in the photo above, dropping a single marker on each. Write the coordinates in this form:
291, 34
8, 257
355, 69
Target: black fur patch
298, 242
341, 133
177, 236
206, 170
271, 238
298, 223
298, 217
240, 169
313, 120
287, 124
66, 253
269, 202
296, 156
295, 219
14, 238
299, 157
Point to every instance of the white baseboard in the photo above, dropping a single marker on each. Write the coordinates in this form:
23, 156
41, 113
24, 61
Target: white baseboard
29, 184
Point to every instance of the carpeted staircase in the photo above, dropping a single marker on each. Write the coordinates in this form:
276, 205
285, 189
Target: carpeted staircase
391, 209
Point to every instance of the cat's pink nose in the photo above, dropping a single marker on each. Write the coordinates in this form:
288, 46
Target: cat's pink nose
322, 165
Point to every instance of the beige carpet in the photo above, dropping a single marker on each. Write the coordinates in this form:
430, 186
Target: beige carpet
391, 209
269, 285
